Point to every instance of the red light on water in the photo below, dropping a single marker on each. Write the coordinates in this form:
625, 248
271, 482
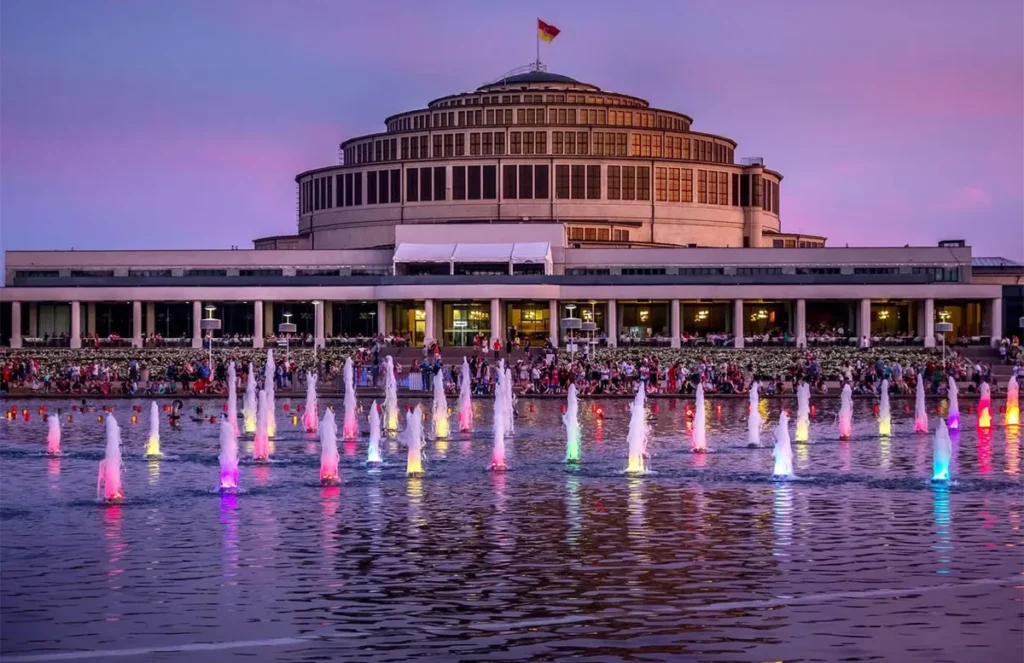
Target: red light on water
285, 407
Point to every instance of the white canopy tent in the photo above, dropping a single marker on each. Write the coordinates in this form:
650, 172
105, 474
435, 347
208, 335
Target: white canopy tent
505, 253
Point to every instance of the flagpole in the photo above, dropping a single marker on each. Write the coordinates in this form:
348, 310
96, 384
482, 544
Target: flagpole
537, 64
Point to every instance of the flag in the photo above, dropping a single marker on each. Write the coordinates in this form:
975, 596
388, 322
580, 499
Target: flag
546, 32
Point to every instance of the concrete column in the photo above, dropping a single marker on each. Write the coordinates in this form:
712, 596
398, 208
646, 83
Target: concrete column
257, 324
612, 323
33, 320
918, 309
801, 323
382, 318
737, 323
318, 325
929, 323
497, 330
197, 331
328, 319
673, 312
268, 318
16, 324
90, 318
996, 318
428, 331
553, 327
151, 318
76, 324
136, 324
864, 323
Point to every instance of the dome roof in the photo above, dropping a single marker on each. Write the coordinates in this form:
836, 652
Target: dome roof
532, 77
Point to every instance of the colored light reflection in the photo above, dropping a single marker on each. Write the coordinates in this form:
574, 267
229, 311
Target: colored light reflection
943, 518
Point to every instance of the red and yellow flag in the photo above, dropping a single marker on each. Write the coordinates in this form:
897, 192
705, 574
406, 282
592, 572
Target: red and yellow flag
546, 32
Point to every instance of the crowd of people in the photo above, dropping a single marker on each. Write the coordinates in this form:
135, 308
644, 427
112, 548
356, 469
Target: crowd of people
538, 370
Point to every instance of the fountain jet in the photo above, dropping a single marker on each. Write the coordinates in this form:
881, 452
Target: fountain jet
268, 386
985, 406
228, 457
390, 395
309, 415
884, 411
249, 405
373, 451
414, 441
783, 452
465, 398
1012, 417
639, 460
803, 412
953, 418
754, 420
261, 443
329, 450
108, 483
942, 453
846, 413
439, 411
153, 443
509, 400
232, 397
53, 436
700, 441
920, 414
572, 426
498, 454
351, 426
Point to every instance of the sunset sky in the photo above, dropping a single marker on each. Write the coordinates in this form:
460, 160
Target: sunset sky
178, 124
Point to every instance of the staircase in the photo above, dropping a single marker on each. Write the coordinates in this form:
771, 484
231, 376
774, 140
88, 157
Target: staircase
1000, 372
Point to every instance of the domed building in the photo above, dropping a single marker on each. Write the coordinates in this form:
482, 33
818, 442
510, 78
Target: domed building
538, 147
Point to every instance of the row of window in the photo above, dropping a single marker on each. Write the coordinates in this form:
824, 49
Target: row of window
529, 182
592, 234
598, 143
531, 98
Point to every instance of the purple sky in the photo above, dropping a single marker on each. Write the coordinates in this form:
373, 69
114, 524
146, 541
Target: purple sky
167, 124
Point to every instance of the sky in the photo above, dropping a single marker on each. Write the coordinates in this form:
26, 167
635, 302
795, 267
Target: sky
182, 124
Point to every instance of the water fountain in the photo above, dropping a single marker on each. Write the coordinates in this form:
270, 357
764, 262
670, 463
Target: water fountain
465, 398
261, 443
884, 411
783, 452
700, 441
439, 412
498, 454
942, 453
920, 413
108, 482
803, 412
509, 401
329, 450
153, 443
390, 395
639, 461
249, 406
846, 412
268, 386
232, 397
53, 436
985, 406
350, 429
373, 452
228, 457
414, 441
953, 418
309, 415
754, 419
572, 426
1012, 417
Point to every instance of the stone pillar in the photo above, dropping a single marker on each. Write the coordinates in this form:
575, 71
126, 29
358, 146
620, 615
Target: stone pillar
257, 324
553, 327
16, 324
76, 324
151, 318
497, 330
737, 323
996, 318
33, 319
428, 327
90, 318
136, 324
197, 331
801, 323
612, 323
918, 318
382, 318
673, 313
864, 324
929, 323
318, 324
328, 319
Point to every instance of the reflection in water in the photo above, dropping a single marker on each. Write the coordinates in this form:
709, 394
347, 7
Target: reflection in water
844, 455
414, 491
261, 474
116, 546
803, 456
572, 503
985, 451
1012, 450
154, 471
229, 538
53, 470
782, 512
441, 446
921, 459
599, 430
943, 545
351, 448
700, 459
884, 452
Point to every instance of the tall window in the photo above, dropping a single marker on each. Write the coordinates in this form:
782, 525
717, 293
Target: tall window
473, 185
474, 144
635, 152
525, 182
449, 145
593, 182
758, 202
508, 182
382, 186
712, 187
440, 183
598, 143
405, 147
358, 184
423, 147
620, 145
570, 142
499, 143
426, 186
541, 138
527, 142
459, 183
438, 150
643, 183
614, 183
673, 185
412, 186
460, 145
578, 182
702, 186
562, 182
541, 180
490, 174
723, 188
349, 189
582, 142
556, 142
488, 144
687, 190
516, 143
645, 145
661, 184
686, 148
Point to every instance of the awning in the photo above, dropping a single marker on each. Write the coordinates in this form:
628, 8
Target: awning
424, 252
482, 252
520, 253
531, 252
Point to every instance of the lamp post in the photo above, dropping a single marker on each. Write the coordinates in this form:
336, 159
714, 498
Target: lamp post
286, 328
571, 324
943, 328
316, 330
209, 324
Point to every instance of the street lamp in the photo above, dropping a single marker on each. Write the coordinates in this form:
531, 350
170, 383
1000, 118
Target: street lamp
287, 327
571, 324
943, 328
209, 324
